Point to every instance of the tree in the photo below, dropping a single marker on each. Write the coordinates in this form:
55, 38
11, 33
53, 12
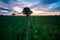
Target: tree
13, 14
1, 15
27, 11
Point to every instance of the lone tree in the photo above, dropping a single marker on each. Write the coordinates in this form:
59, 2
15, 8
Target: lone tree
13, 14
1, 15
27, 11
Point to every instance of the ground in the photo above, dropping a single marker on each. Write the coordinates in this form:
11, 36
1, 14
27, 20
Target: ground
43, 27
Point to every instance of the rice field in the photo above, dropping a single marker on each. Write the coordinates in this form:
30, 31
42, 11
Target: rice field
43, 28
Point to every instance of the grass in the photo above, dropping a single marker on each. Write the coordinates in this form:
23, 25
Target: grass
44, 28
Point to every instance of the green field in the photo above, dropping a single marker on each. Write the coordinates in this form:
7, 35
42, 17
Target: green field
43, 28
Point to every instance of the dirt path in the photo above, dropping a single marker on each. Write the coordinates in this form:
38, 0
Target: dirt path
30, 29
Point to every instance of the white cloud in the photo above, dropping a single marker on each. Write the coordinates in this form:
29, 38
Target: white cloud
17, 9
54, 5
3, 11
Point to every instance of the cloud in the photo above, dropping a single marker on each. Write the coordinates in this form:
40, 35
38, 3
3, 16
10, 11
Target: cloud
48, 1
53, 7
28, 1
17, 9
5, 1
4, 9
8, 1
3, 5
37, 5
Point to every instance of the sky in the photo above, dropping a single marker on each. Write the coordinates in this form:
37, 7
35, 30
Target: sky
37, 6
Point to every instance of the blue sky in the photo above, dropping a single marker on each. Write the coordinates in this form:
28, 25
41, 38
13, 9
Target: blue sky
44, 5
